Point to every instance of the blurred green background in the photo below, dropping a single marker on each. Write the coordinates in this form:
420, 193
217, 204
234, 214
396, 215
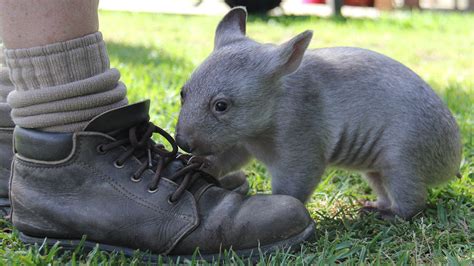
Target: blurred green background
156, 53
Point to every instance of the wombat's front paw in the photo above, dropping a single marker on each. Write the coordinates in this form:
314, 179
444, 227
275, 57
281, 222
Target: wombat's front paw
236, 181
384, 214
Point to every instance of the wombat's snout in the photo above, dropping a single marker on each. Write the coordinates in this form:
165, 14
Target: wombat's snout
183, 143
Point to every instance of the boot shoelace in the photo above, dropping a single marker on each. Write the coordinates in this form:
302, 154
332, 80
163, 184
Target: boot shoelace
157, 156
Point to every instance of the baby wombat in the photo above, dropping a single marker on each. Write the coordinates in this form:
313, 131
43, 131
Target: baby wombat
300, 111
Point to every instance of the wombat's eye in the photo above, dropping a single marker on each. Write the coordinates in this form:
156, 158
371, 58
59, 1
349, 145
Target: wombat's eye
220, 106
182, 96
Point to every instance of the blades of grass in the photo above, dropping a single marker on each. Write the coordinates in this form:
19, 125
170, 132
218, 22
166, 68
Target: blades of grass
80, 248
442, 216
403, 259
362, 255
52, 252
452, 260
92, 256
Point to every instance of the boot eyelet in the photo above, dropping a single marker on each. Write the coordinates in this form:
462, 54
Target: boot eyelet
136, 180
118, 165
170, 201
100, 149
152, 190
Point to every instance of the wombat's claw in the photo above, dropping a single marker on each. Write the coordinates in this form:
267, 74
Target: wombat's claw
236, 182
243, 188
370, 204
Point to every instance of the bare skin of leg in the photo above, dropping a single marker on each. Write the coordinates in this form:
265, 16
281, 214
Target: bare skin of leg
382, 205
376, 183
26, 23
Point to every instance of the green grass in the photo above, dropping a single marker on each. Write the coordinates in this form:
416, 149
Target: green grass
156, 54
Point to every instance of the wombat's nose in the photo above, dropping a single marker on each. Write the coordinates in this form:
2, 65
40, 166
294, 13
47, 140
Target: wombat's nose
183, 143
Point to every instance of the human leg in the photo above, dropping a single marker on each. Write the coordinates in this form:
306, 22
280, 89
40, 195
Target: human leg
6, 131
58, 64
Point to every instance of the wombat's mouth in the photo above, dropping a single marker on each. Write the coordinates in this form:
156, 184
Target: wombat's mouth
209, 150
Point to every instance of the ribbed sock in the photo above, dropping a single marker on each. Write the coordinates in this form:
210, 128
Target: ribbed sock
61, 86
5, 88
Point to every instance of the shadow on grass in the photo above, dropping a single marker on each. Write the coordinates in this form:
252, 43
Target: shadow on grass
366, 237
142, 55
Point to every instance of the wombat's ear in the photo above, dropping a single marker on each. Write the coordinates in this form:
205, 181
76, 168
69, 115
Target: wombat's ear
231, 27
290, 54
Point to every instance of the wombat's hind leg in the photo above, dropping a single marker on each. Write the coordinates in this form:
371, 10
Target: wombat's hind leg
376, 181
407, 193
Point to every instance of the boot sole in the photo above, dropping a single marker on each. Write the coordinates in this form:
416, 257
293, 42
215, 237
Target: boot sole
291, 244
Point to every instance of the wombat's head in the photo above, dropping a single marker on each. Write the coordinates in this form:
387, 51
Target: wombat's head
232, 95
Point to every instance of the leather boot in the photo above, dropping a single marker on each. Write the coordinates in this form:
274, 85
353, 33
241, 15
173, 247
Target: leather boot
6, 155
113, 184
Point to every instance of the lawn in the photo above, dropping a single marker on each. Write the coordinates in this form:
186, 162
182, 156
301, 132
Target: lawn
156, 54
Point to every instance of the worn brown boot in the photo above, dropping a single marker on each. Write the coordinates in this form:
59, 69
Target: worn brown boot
6, 154
114, 185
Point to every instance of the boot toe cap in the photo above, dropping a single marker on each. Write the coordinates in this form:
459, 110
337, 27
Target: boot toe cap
249, 224
274, 218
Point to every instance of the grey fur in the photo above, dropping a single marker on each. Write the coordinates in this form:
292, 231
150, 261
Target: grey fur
344, 107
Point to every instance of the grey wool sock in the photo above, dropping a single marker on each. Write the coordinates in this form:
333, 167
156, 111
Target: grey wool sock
61, 86
5, 88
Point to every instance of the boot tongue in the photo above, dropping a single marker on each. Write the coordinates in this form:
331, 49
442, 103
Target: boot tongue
120, 118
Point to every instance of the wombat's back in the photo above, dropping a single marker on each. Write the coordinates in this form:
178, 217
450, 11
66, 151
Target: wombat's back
367, 97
